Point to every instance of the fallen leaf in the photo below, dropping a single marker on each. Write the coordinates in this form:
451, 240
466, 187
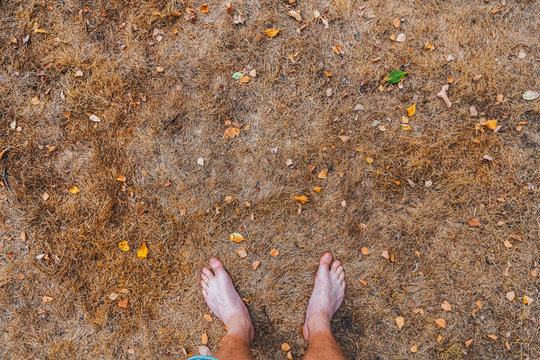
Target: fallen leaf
429, 46
510, 295
493, 337
122, 304
440, 322
440, 338
204, 8
295, 15
94, 118
479, 304
500, 98
414, 348
35, 101
322, 174
204, 338
317, 188
47, 299
200, 161
358, 107
365, 251
344, 138
396, 23
468, 343
446, 306
204, 350
302, 198
236, 237
74, 190
530, 95
113, 296
237, 75
244, 79
274, 252
369, 160
289, 356
167, 182
527, 300
143, 251
449, 79
508, 244
242, 252
121, 178
45, 196
411, 110
285, 347
159, 69
271, 32
123, 245
395, 76
473, 111
474, 222
385, 255
400, 321
507, 345
232, 132
255, 265
401, 38
491, 124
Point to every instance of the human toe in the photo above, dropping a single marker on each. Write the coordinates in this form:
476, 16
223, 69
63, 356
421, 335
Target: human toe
326, 259
335, 266
216, 265
206, 271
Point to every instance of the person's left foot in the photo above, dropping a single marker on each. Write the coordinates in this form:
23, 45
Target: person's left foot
221, 297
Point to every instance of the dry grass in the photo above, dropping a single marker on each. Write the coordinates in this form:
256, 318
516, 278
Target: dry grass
156, 125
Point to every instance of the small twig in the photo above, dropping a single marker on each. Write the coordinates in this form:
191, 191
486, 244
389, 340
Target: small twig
442, 95
6, 184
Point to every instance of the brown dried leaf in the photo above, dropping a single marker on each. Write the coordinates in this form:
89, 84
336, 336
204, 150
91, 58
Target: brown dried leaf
322, 174
208, 317
400, 321
474, 222
302, 198
440, 322
204, 338
271, 32
274, 252
446, 306
285, 347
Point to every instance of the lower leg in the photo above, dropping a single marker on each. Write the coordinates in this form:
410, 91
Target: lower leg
321, 342
234, 347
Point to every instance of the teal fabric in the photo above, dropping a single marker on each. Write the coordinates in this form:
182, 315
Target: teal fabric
202, 357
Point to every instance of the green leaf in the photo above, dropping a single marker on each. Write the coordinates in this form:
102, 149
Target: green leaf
237, 75
395, 76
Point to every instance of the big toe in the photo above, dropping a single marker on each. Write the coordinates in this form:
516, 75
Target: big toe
325, 260
216, 265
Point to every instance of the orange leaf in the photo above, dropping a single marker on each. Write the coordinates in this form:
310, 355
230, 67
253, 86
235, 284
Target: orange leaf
232, 132
474, 222
302, 198
527, 300
47, 299
493, 337
317, 188
468, 343
414, 348
285, 347
204, 338
204, 8
440, 322
322, 174
122, 304
123, 245
255, 265
208, 317
74, 190
446, 306
491, 124
274, 252
271, 32
411, 110
400, 321
244, 79
143, 251
365, 251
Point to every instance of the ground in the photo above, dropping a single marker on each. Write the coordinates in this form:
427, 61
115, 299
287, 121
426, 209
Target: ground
184, 155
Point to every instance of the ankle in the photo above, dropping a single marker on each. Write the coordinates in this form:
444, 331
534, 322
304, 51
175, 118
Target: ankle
240, 327
318, 323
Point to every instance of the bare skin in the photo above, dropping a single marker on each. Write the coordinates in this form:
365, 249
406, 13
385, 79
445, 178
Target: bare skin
221, 297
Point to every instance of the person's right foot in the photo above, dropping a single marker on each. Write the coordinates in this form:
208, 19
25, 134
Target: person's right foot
326, 298
221, 297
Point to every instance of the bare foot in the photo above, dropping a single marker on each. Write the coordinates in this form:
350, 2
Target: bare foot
221, 297
326, 298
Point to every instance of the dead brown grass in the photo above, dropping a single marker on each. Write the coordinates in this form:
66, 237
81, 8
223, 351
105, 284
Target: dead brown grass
156, 125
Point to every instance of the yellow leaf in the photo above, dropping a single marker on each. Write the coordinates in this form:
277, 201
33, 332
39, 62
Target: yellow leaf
400, 321
302, 198
369, 160
440, 322
204, 338
527, 300
143, 251
159, 69
491, 124
40, 31
204, 8
405, 127
208, 317
74, 190
411, 110
236, 237
123, 245
440, 338
271, 32
274, 252
317, 188
414, 348
285, 347
365, 251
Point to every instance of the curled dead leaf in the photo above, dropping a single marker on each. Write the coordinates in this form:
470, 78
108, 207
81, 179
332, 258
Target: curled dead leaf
302, 198
255, 265
242, 252
271, 32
